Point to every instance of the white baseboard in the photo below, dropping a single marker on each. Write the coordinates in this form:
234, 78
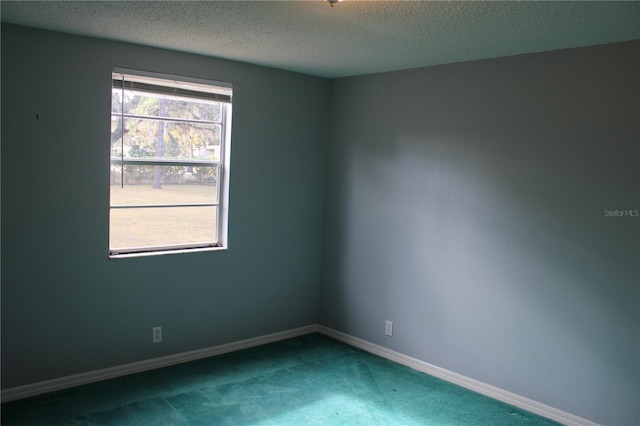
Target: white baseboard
460, 380
46, 386
532, 406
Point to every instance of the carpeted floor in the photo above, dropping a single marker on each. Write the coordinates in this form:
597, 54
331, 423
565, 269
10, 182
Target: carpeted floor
309, 380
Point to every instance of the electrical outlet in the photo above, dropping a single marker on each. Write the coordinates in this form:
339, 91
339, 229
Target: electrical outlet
388, 328
157, 334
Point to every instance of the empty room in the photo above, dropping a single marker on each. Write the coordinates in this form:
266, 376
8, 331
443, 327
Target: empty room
320, 212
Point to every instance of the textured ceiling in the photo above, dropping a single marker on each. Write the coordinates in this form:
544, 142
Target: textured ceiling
352, 38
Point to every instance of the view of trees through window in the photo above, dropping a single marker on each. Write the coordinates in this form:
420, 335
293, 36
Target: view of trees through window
166, 158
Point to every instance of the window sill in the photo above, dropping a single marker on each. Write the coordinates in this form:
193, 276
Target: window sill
163, 252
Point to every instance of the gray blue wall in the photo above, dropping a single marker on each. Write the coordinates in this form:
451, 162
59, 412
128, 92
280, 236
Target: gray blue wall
67, 308
466, 204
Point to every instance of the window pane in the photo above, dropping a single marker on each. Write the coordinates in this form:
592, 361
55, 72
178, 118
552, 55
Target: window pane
192, 109
149, 227
116, 101
140, 103
116, 136
149, 138
152, 185
158, 105
194, 141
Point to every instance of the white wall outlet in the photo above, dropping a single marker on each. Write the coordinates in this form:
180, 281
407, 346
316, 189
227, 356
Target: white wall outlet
388, 328
157, 334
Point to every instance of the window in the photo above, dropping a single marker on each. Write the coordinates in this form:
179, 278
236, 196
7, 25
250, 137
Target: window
170, 140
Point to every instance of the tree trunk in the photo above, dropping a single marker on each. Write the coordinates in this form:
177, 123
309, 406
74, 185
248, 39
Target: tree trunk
157, 172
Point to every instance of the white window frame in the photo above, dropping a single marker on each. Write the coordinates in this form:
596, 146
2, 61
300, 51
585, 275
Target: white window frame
190, 88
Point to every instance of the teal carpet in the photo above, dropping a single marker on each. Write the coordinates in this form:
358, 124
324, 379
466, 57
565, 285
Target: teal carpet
309, 380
